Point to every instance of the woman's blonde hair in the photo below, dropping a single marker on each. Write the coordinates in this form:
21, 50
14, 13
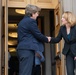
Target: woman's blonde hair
70, 18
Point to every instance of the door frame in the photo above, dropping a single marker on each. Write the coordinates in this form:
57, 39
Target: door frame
0, 32
6, 35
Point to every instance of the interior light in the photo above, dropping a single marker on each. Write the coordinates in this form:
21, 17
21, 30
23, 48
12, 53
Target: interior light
12, 49
12, 26
12, 34
12, 42
20, 11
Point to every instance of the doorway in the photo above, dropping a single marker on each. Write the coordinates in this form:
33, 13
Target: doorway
13, 20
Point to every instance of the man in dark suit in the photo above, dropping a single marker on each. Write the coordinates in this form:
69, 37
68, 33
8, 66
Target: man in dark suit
28, 38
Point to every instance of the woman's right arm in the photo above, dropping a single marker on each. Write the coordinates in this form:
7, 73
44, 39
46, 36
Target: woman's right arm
58, 38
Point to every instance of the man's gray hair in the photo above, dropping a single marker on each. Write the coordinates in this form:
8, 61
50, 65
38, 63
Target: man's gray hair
30, 9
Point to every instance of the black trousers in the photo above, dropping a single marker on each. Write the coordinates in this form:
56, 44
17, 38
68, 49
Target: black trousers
37, 70
26, 59
70, 63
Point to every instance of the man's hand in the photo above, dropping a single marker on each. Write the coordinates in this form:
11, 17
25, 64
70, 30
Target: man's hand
75, 58
49, 39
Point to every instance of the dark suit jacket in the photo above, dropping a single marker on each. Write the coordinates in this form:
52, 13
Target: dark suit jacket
69, 44
29, 35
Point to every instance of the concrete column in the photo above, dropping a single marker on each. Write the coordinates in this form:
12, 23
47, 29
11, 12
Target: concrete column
67, 5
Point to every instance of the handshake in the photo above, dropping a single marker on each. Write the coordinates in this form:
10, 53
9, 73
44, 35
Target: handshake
49, 39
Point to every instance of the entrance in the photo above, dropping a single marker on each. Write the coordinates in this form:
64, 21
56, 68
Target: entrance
10, 25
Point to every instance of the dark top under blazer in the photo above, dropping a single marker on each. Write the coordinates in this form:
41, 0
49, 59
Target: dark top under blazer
69, 44
29, 35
